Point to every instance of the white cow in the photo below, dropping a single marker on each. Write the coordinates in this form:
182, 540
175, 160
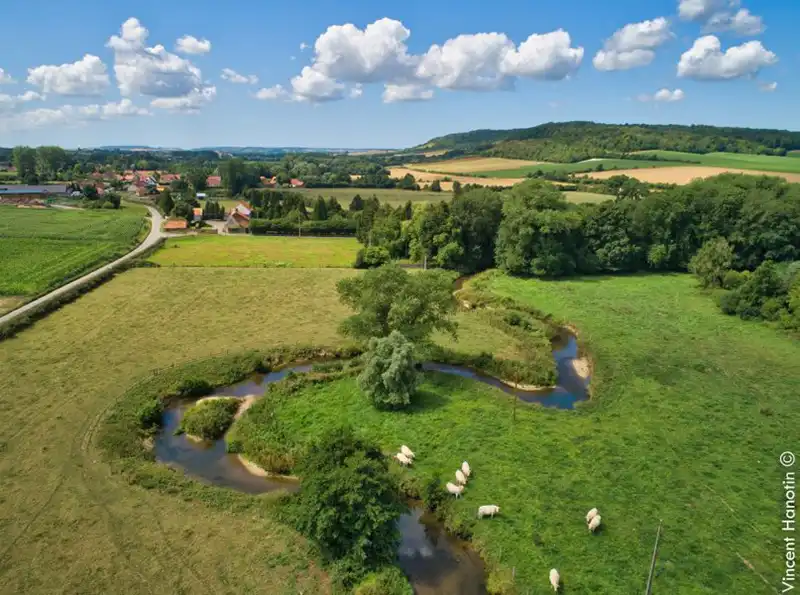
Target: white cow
460, 478
454, 489
465, 469
488, 510
591, 514
555, 578
594, 523
407, 451
403, 459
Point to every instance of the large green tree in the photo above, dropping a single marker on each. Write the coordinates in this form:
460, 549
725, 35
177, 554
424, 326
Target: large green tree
389, 299
349, 503
711, 262
389, 377
24, 159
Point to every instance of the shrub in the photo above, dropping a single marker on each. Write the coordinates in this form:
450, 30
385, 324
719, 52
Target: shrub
734, 279
349, 503
387, 581
193, 387
150, 414
210, 419
389, 378
712, 262
433, 492
369, 258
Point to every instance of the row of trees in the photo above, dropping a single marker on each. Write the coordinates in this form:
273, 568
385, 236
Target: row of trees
531, 230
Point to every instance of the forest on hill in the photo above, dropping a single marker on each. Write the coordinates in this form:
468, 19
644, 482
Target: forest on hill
569, 142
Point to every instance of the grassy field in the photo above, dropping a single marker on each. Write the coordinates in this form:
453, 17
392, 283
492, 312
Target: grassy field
679, 430
257, 251
582, 197
766, 163
42, 248
391, 196
65, 521
582, 166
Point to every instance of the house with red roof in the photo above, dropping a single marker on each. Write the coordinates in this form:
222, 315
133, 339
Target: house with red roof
295, 183
214, 181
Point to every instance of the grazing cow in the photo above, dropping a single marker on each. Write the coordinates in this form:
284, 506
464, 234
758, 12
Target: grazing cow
465, 469
555, 579
403, 459
591, 514
488, 510
460, 478
454, 489
407, 451
594, 523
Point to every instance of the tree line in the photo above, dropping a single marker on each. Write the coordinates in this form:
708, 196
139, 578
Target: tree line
576, 141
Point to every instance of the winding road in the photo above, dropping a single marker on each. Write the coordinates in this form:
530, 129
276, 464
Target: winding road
151, 239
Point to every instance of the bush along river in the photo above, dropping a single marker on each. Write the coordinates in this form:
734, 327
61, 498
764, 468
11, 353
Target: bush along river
435, 562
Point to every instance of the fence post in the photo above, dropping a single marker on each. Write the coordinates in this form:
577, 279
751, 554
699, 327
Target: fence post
648, 590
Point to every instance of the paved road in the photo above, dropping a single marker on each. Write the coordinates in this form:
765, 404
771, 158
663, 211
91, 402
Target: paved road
149, 241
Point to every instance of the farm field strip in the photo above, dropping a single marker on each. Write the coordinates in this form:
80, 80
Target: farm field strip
257, 251
685, 174
745, 161
391, 196
582, 166
468, 165
424, 177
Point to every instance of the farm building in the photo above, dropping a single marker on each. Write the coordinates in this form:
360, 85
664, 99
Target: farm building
16, 192
236, 222
214, 181
176, 225
295, 183
168, 178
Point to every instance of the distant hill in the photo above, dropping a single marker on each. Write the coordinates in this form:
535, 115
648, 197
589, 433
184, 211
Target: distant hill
576, 141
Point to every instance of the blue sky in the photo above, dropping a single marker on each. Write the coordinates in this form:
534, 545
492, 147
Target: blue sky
126, 94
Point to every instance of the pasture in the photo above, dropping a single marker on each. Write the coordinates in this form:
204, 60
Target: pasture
577, 197
746, 161
664, 399
257, 251
41, 249
678, 429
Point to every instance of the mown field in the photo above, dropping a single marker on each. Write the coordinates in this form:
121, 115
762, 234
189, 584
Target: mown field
582, 197
764, 163
467, 165
257, 251
42, 248
65, 521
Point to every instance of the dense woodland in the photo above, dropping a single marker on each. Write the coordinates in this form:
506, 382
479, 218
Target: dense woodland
576, 141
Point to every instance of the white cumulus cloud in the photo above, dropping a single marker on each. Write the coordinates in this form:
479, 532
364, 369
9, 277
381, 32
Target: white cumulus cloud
721, 15
743, 23
356, 92
768, 87
174, 82
188, 44
230, 75
633, 45
346, 55
705, 60
86, 77
70, 115
9, 102
664, 96
275, 92
5, 78
190, 103
410, 92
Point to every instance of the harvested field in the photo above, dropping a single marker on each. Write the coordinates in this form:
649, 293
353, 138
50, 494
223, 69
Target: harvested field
685, 174
426, 178
469, 165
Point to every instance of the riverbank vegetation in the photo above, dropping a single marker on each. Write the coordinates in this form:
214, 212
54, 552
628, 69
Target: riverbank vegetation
209, 419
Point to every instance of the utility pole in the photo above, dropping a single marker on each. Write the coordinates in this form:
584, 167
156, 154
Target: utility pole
653, 562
